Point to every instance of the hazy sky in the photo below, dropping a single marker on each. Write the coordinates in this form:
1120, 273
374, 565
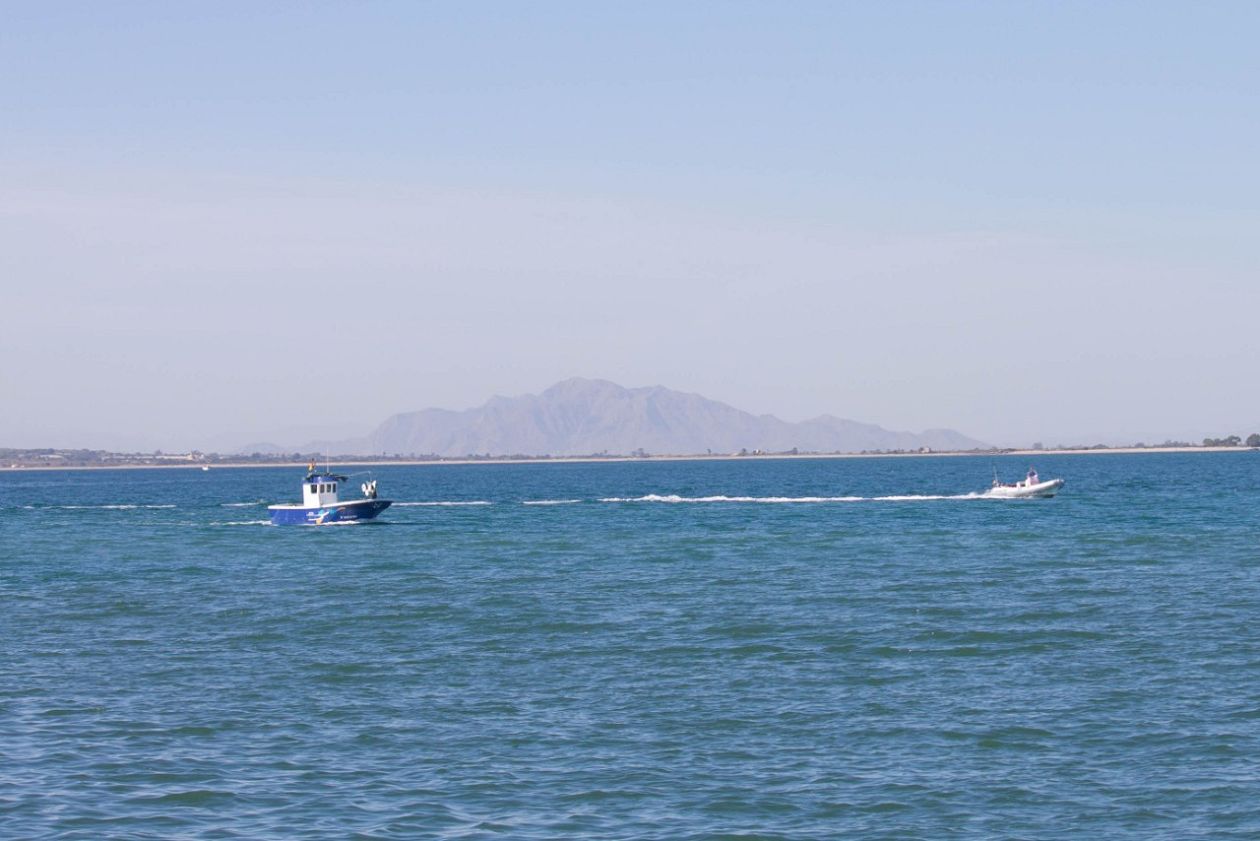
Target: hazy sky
230, 222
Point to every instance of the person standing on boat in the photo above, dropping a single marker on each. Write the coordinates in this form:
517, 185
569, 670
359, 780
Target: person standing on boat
1032, 476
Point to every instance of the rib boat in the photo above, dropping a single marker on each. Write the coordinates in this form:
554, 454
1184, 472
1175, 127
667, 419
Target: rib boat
1027, 488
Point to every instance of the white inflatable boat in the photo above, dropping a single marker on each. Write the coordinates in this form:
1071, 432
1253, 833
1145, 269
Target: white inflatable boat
1030, 488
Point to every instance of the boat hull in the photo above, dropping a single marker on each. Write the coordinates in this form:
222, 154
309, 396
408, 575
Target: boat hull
337, 512
1041, 490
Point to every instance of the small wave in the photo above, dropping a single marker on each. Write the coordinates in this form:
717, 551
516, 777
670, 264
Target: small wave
674, 498
551, 502
238, 523
117, 507
242, 504
443, 503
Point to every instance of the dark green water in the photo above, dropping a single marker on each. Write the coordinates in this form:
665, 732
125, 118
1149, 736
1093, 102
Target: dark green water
1081, 667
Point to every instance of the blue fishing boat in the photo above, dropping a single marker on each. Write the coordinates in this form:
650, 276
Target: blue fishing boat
322, 506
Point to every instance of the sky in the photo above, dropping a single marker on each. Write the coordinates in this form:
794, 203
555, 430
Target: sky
225, 223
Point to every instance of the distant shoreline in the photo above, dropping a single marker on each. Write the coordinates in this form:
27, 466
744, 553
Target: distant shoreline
360, 462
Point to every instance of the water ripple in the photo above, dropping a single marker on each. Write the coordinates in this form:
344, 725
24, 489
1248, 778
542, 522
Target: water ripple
508, 661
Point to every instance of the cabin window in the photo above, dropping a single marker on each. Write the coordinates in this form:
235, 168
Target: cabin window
314, 489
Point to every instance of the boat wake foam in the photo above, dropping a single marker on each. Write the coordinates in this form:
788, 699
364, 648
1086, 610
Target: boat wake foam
550, 502
674, 498
452, 503
118, 507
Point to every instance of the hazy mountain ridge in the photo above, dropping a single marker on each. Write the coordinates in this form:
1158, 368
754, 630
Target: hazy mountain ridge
583, 417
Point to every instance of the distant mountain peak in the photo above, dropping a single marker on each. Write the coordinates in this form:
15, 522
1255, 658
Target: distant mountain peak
581, 416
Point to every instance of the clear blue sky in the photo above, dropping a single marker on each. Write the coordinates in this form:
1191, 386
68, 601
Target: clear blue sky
230, 222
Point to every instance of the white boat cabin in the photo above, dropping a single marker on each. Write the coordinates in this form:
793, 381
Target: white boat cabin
320, 489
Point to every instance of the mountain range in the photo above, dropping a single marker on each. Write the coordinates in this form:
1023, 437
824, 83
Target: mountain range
586, 417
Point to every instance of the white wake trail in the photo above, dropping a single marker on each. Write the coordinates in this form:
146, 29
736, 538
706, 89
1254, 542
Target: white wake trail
442, 503
780, 500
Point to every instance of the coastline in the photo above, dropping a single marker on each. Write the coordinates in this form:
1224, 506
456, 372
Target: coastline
362, 462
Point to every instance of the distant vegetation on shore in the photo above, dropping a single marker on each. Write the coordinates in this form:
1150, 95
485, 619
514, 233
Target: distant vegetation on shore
13, 458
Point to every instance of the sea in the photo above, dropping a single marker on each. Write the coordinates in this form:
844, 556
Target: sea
857, 648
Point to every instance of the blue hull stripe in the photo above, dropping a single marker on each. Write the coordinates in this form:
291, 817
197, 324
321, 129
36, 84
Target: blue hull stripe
339, 512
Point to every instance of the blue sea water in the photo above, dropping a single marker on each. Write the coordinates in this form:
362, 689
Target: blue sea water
643, 650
